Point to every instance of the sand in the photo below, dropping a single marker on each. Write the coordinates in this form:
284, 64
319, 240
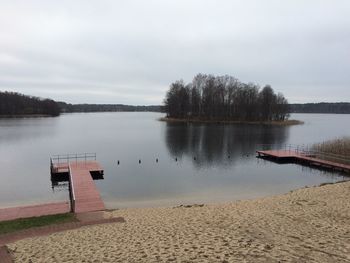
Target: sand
306, 225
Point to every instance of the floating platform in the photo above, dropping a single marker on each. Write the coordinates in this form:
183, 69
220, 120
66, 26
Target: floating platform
303, 158
80, 172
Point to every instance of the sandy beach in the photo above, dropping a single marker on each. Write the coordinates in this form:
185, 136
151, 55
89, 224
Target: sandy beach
305, 225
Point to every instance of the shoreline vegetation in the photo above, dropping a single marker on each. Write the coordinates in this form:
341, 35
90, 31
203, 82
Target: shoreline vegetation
321, 107
303, 225
339, 146
218, 121
16, 105
20, 116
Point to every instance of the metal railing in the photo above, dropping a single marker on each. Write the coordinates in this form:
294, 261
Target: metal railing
72, 190
66, 158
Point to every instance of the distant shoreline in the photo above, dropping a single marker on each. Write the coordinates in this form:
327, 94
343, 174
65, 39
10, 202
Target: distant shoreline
274, 123
19, 116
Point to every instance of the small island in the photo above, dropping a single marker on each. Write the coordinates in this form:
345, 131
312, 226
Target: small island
224, 99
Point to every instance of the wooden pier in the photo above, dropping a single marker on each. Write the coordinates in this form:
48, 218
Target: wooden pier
80, 170
305, 158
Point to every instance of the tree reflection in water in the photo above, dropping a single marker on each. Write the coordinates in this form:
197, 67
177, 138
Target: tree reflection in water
220, 144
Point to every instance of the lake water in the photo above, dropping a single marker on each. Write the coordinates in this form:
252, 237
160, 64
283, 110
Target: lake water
197, 163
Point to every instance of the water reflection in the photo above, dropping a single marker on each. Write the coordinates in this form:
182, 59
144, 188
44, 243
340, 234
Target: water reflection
60, 181
14, 130
221, 145
59, 186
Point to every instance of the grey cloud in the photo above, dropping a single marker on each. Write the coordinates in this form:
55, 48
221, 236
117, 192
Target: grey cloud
130, 51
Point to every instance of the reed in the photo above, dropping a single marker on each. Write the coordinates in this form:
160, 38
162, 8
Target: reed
339, 146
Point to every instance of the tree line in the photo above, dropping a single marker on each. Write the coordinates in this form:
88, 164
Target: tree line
13, 104
322, 107
67, 107
211, 97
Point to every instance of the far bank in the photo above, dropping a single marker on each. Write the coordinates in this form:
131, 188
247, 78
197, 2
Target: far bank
220, 121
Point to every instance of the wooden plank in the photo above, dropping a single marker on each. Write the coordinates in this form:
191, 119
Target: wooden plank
86, 197
92, 166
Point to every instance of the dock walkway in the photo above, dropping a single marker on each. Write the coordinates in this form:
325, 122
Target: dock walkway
83, 192
85, 196
304, 158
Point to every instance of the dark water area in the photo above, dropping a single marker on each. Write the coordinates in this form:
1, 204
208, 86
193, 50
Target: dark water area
197, 163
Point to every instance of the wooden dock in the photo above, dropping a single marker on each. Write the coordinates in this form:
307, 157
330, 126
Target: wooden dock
304, 158
83, 192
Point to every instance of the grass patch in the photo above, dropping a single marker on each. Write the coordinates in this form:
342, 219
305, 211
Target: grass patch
25, 223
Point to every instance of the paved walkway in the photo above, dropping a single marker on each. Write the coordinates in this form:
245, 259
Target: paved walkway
50, 229
5, 256
85, 219
34, 210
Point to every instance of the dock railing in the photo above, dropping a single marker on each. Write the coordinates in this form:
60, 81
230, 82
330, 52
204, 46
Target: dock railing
307, 151
72, 193
63, 160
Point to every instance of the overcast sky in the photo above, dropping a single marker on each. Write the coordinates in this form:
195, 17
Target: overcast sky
130, 51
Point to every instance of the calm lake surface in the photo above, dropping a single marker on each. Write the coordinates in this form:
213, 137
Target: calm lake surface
214, 162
